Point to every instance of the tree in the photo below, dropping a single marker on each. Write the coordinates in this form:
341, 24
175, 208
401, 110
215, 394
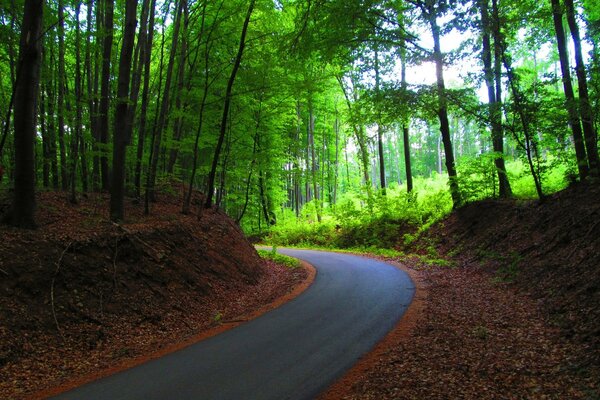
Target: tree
494, 99
574, 121
107, 28
585, 108
26, 91
117, 187
223, 127
430, 13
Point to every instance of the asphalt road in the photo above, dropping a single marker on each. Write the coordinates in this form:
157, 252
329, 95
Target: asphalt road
293, 352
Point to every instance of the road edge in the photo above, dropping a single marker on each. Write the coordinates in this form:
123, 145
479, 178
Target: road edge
400, 333
203, 335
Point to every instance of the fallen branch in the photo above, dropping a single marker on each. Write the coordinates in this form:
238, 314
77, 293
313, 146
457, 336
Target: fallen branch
58, 263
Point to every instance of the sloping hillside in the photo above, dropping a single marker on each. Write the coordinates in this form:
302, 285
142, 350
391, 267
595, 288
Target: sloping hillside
81, 294
550, 250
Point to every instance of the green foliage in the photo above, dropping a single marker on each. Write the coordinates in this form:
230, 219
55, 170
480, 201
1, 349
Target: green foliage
278, 258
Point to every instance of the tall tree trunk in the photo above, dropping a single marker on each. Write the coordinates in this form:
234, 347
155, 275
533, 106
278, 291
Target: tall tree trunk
585, 108
443, 108
77, 138
92, 52
45, 142
313, 164
582, 162
178, 122
494, 102
379, 129
138, 66
117, 187
105, 91
188, 198
27, 80
223, 129
405, 123
164, 107
147, 56
61, 96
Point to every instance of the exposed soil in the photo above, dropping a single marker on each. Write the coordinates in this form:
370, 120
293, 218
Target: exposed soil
81, 294
517, 316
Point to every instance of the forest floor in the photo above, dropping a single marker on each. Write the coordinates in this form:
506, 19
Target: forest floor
514, 315
81, 297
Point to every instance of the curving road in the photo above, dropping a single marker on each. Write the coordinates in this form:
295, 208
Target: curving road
293, 352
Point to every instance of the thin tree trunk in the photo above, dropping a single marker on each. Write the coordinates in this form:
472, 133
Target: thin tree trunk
105, 91
61, 96
147, 56
405, 135
494, 102
78, 136
585, 108
178, 123
117, 187
379, 129
443, 108
162, 118
313, 168
582, 162
223, 129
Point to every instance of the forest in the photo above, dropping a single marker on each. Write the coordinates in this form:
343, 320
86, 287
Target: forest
297, 111
147, 145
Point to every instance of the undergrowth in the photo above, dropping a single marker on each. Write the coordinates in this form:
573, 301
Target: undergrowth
278, 258
398, 219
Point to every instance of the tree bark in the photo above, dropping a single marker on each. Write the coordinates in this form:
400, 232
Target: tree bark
105, 91
582, 162
147, 53
223, 129
61, 96
379, 129
78, 136
442, 107
585, 108
117, 187
162, 117
494, 102
27, 81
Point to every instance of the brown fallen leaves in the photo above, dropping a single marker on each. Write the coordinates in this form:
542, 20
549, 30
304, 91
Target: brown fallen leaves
81, 295
475, 339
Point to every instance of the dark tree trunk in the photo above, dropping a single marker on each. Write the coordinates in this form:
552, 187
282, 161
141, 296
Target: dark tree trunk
582, 162
77, 139
178, 123
61, 97
495, 109
145, 99
379, 129
405, 136
27, 81
585, 108
105, 91
223, 129
45, 142
117, 187
443, 108
313, 163
162, 118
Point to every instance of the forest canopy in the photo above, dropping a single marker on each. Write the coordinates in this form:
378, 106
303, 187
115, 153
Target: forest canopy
306, 110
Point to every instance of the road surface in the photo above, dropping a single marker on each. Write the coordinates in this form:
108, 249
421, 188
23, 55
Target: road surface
293, 352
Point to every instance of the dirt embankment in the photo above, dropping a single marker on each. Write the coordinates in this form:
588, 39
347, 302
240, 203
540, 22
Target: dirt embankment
549, 250
81, 294
515, 316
